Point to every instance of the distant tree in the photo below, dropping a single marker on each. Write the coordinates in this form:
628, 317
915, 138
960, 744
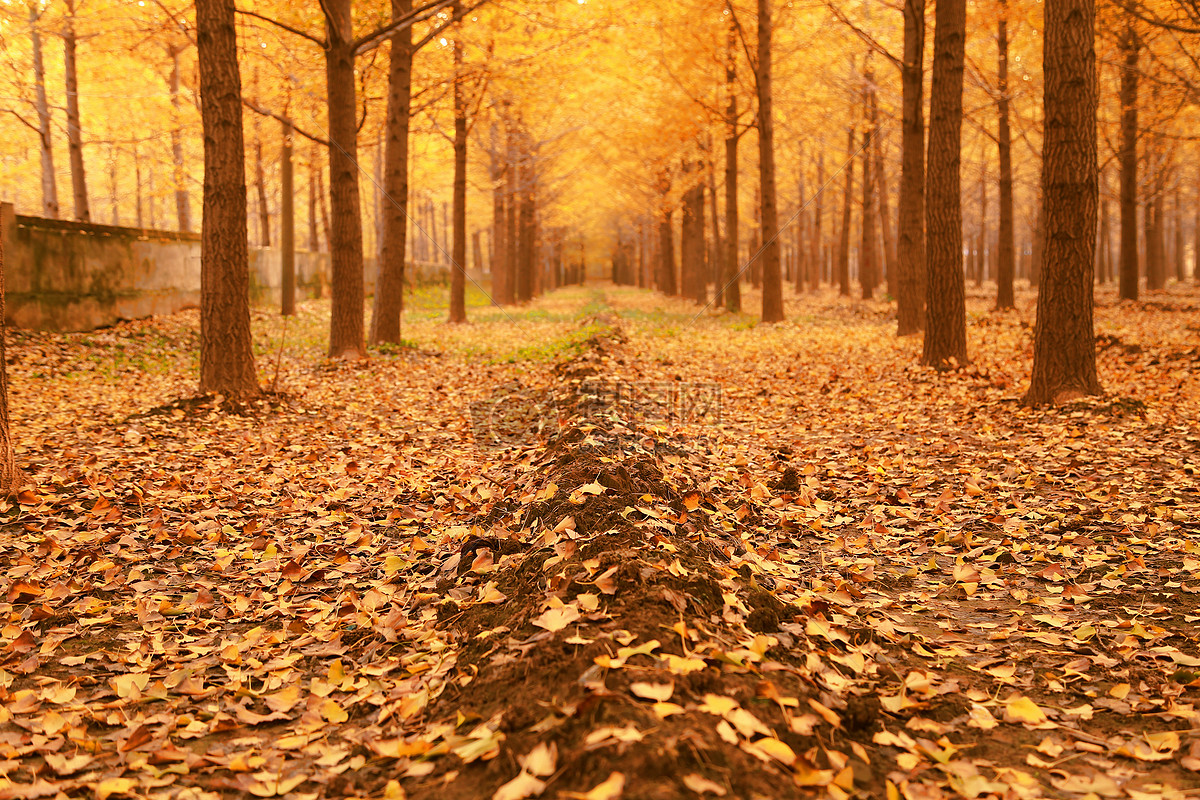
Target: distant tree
772, 308
1064, 354
458, 267
1129, 276
74, 125
1006, 260
226, 356
945, 310
731, 278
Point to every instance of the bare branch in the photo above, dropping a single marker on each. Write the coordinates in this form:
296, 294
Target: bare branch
284, 26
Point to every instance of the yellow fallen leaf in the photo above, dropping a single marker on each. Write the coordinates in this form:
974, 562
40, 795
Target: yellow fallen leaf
701, 785
684, 666
285, 699
555, 619
980, 717
1020, 708
333, 713
777, 750
664, 710
541, 760
718, 705
609, 789
653, 691
110, 786
592, 488
520, 787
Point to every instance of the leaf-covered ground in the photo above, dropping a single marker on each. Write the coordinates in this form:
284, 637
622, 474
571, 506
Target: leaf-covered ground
597, 547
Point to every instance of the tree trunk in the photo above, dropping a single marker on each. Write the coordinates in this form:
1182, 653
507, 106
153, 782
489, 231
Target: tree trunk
458, 266
226, 354
287, 223
801, 275
389, 283
843, 253
1177, 250
910, 297
314, 167
526, 241
868, 262
1039, 242
692, 263
945, 312
717, 253
666, 249
772, 300
49, 185
1064, 350
981, 247
10, 476
816, 261
74, 125
1006, 263
346, 242
513, 203
1104, 256
732, 274
260, 184
885, 218
1129, 164
183, 207
499, 265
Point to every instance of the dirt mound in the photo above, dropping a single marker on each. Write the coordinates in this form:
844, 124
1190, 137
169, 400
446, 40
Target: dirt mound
617, 641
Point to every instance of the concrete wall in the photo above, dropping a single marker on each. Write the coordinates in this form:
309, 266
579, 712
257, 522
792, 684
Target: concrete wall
75, 276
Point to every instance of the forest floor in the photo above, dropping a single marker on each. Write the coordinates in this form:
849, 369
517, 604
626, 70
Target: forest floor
601, 546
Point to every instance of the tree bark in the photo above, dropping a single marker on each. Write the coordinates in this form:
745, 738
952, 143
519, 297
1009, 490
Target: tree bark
346, 338
1129, 277
772, 300
526, 232
945, 312
731, 279
717, 253
74, 124
666, 250
458, 266
1006, 263
512, 194
816, 260
891, 266
287, 223
10, 477
1064, 351
868, 261
260, 185
843, 253
802, 232
183, 207
692, 262
499, 265
49, 184
910, 297
389, 285
226, 354
314, 167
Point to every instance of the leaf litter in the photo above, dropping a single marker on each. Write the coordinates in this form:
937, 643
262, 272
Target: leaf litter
865, 579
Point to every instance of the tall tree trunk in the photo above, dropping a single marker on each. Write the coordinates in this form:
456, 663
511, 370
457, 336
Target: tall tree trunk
1104, 256
910, 297
891, 265
981, 247
717, 253
389, 283
1006, 263
772, 300
1130, 45
323, 197
314, 167
137, 179
458, 265
1177, 251
1039, 241
945, 311
666, 251
346, 243
49, 184
731, 280
260, 185
843, 252
816, 260
226, 354
1064, 350
1156, 273
74, 125
183, 208
692, 240
802, 232
500, 274
512, 193
526, 232
868, 262
1196, 231
287, 223
10, 477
